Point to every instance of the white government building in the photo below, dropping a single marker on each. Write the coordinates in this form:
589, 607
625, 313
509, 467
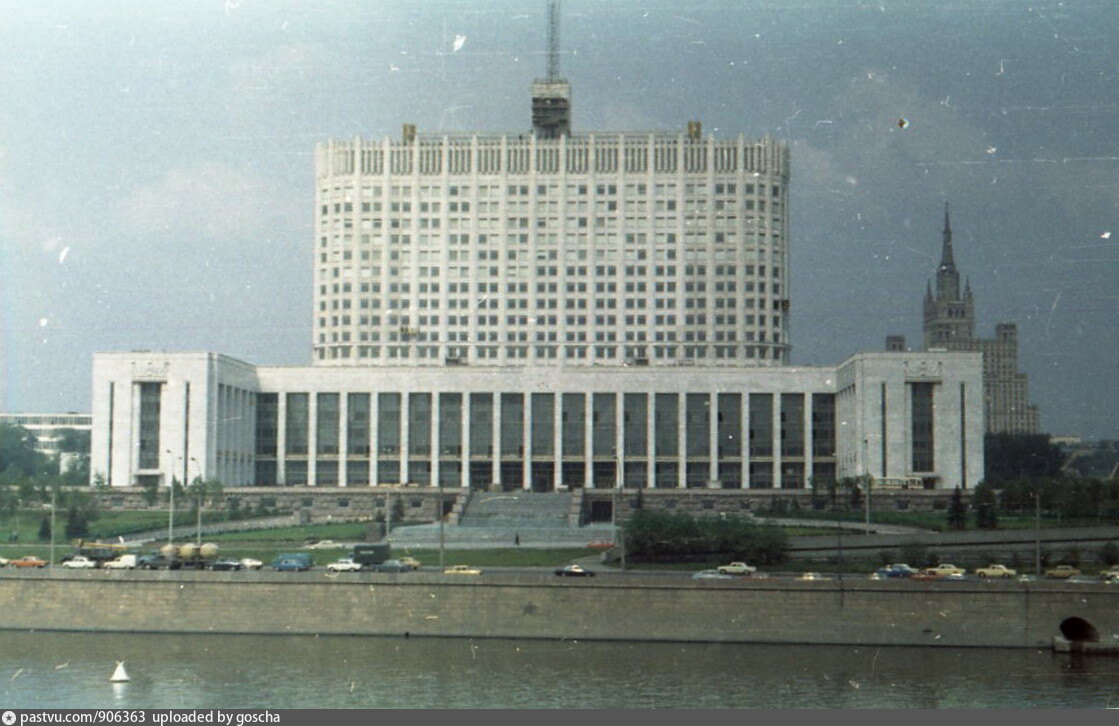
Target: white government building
545, 310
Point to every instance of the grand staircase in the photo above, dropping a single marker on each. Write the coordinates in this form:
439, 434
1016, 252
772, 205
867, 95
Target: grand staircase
519, 518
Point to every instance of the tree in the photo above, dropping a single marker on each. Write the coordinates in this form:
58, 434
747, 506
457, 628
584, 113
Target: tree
1108, 554
957, 511
1020, 456
45, 528
19, 459
149, 486
985, 503
77, 526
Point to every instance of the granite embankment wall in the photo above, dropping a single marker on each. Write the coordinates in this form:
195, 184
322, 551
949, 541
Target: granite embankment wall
1007, 614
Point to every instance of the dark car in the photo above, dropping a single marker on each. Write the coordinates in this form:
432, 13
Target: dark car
573, 571
227, 565
392, 566
896, 571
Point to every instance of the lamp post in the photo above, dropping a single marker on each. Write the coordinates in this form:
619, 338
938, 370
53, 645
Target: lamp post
171, 501
53, 493
200, 491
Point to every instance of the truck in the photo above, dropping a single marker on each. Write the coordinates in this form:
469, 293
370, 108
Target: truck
174, 557
369, 556
737, 568
99, 552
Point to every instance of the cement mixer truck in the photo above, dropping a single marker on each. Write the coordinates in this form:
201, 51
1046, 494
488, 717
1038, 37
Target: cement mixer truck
174, 557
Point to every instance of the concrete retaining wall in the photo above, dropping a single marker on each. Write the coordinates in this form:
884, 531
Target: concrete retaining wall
541, 606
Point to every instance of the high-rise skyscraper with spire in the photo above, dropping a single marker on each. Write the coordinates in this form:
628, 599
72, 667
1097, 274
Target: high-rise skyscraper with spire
949, 324
949, 315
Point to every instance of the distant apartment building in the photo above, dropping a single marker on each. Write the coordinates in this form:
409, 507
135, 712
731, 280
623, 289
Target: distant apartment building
48, 428
949, 324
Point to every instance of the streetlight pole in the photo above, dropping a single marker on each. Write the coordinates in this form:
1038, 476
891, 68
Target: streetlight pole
53, 493
171, 500
200, 491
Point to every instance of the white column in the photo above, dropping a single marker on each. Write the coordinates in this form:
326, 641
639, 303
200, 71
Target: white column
526, 412
405, 411
436, 445
713, 431
343, 422
495, 459
808, 439
776, 440
464, 448
745, 439
557, 442
651, 439
619, 439
312, 438
281, 438
682, 440
374, 437
588, 441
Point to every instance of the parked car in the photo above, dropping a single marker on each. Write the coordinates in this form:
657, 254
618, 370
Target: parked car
79, 562
573, 571
251, 563
943, 569
1061, 572
462, 570
996, 571
737, 568
1109, 573
124, 562
4, 561
393, 566
226, 564
28, 561
345, 564
411, 562
896, 570
711, 575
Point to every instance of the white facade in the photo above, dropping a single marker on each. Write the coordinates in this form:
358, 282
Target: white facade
511, 249
164, 415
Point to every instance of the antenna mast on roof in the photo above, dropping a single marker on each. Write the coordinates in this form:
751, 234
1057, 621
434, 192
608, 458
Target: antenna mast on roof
551, 96
553, 40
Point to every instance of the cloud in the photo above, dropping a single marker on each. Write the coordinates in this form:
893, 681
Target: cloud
211, 201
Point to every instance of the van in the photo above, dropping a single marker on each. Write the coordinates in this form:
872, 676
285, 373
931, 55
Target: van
123, 562
292, 561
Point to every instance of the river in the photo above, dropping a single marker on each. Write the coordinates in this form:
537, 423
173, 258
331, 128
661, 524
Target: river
71, 670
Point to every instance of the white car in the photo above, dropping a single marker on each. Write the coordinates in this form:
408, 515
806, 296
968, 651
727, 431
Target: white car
124, 562
344, 565
325, 544
251, 563
79, 562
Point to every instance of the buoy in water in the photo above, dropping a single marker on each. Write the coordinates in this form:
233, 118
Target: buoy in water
119, 675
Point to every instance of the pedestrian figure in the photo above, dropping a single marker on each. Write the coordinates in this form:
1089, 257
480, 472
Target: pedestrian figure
517, 540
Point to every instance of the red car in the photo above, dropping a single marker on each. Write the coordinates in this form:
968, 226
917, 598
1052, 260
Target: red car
28, 561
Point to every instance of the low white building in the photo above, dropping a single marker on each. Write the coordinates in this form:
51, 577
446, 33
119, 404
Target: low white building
905, 418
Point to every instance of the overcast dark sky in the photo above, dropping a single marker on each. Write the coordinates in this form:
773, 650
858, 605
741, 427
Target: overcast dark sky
156, 179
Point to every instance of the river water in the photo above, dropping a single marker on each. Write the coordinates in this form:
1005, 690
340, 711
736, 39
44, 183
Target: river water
69, 670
